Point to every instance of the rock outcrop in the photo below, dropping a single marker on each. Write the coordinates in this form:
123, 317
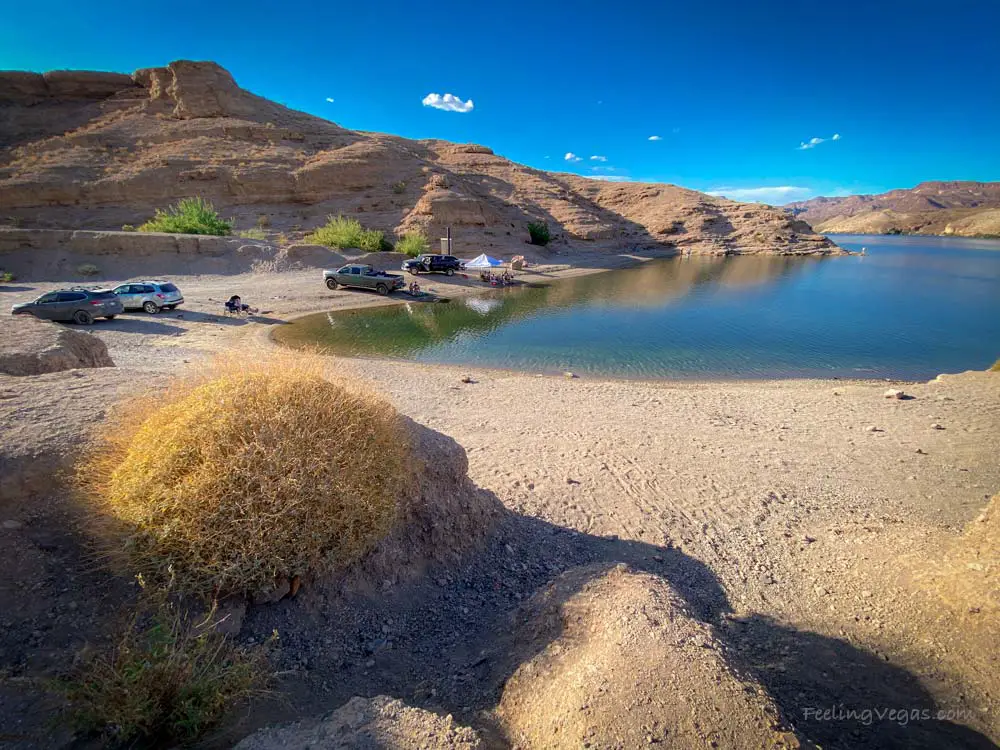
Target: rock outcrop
99, 150
29, 346
615, 659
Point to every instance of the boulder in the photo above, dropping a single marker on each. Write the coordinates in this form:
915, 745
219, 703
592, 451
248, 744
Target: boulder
367, 724
29, 346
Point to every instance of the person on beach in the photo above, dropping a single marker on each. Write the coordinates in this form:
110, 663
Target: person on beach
235, 304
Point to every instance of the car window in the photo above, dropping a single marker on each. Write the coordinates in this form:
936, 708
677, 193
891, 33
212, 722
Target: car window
168, 288
70, 297
345, 269
50, 297
103, 295
356, 270
123, 289
145, 289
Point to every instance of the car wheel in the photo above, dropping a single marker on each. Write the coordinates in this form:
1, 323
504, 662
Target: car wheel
382, 289
450, 272
413, 271
83, 317
331, 283
150, 307
109, 317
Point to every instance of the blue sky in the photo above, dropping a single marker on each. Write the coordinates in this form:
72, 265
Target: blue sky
732, 89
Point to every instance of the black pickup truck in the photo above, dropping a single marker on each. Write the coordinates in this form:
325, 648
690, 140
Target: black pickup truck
433, 264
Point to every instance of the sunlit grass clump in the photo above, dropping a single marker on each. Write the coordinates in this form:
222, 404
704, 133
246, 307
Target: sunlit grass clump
341, 233
264, 470
189, 216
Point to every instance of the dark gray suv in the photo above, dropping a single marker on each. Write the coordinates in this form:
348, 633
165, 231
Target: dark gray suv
78, 304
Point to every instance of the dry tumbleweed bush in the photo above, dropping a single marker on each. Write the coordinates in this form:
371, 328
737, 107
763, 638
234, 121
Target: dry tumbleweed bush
256, 472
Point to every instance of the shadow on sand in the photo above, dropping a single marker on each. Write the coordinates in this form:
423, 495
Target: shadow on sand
443, 642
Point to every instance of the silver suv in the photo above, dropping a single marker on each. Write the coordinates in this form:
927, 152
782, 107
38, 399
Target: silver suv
151, 296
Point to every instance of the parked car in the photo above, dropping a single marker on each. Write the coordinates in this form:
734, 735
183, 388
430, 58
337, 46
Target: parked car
363, 277
151, 296
433, 264
78, 304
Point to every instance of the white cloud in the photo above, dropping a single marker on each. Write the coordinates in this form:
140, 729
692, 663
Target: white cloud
448, 103
608, 177
654, 138
595, 157
814, 142
777, 195
330, 99
603, 169
571, 157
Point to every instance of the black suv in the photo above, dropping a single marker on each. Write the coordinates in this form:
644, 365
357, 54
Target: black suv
77, 304
433, 264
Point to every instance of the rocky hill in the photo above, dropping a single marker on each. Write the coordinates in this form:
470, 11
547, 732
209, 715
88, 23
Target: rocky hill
967, 209
90, 150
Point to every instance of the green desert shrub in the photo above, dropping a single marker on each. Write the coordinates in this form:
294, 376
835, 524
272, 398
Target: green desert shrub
189, 216
413, 244
256, 233
128, 228
235, 481
539, 233
165, 682
373, 241
399, 188
996, 366
88, 269
341, 233
6, 277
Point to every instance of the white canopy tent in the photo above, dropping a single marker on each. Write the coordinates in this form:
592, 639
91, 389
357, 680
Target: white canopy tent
483, 263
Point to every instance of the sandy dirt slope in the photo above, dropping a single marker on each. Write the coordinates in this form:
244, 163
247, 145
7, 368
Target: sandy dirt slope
780, 518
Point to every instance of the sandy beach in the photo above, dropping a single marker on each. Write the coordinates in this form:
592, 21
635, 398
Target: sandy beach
816, 505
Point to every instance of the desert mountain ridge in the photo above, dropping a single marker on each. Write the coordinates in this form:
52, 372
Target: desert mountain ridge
93, 150
961, 208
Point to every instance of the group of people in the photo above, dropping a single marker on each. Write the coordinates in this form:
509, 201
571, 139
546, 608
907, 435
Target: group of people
494, 279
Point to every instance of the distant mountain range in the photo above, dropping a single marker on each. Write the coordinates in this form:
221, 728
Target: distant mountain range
966, 209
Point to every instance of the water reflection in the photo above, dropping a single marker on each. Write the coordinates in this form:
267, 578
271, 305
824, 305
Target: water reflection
904, 310
402, 331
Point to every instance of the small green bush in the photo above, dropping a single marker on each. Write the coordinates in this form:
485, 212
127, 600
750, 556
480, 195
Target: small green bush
6, 277
253, 234
88, 269
189, 216
399, 188
340, 233
372, 241
128, 228
995, 368
539, 233
413, 244
165, 682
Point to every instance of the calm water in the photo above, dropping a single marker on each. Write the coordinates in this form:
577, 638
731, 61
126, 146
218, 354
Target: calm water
911, 309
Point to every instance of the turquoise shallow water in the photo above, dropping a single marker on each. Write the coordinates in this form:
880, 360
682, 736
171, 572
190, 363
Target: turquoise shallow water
912, 308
